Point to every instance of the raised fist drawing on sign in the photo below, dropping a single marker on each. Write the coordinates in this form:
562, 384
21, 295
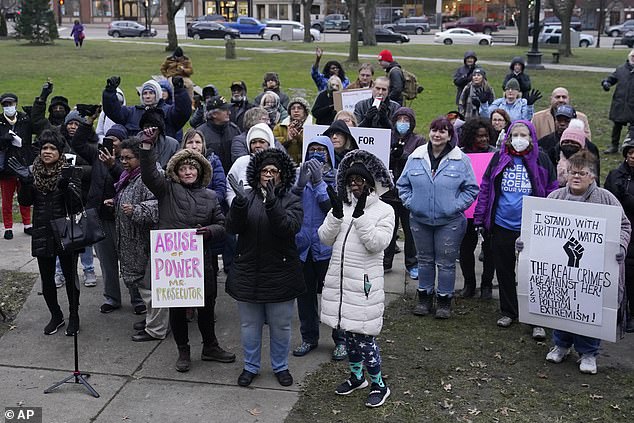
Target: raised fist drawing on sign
574, 251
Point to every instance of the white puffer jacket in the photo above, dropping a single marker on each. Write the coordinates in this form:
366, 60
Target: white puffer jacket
357, 251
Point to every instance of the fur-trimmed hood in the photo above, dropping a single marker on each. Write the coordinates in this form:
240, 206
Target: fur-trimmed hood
181, 155
286, 166
382, 179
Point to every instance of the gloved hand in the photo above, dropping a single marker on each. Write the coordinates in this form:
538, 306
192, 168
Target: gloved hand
271, 193
533, 96
606, 85
237, 187
335, 203
178, 82
204, 231
397, 150
22, 171
47, 89
112, 83
315, 169
358, 209
371, 113
383, 108
178, 52
620, 256
519, 245
304, 176
475, 101
149, 135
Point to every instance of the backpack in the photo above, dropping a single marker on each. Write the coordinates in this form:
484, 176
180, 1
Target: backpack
411, 88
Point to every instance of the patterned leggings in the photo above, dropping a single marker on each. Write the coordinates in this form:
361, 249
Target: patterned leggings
363, 348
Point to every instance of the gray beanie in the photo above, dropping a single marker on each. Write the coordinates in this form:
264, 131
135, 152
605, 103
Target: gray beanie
74, 115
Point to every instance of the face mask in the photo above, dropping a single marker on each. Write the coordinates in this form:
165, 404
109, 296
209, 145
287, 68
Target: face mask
60, 115
237, 99
9, 111
321, 156
569, 150
519, 144
402, 127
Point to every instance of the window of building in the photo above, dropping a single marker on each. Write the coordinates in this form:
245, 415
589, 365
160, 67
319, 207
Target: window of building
102, 8
70, 8
273, 11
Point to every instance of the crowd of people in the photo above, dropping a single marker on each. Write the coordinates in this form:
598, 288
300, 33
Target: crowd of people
294, 218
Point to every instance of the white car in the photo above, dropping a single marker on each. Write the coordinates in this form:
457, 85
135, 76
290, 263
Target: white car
273, 30
462, 36
552, 34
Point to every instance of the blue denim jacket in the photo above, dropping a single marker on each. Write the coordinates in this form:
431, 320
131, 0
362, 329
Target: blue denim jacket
435, 199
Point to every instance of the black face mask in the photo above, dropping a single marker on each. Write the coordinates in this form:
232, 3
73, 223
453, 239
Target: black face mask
58, 115
569, 150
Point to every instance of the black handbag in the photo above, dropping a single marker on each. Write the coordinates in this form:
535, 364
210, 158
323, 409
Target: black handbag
74, 232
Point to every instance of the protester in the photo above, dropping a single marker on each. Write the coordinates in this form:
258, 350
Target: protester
545, 121
239, 103
437, 185
239, 145
572, 141
271, 102
266, 276
218, 130
518, 169
290, 131
476, 92
501, 121
179, 65
621, 111
271, 83
332, 67
57, 110
347, 117
517, 68
371, 116
324, 107
364, 78
165, 146
463, 74
358, 227
200, 101
395, 75
104, 123
342, 140
517, 107
77, 32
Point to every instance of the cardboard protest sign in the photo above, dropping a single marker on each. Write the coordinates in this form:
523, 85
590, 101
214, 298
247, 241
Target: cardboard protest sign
375, 140
178, 270
479, 162
347, 99
568, 277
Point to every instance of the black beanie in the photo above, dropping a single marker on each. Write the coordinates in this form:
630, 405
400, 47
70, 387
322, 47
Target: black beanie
358, 168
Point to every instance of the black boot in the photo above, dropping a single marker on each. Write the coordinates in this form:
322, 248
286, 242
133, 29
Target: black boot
425, 303
468, 291
486, 293
443, 307
73, 324
184, 359
213, 352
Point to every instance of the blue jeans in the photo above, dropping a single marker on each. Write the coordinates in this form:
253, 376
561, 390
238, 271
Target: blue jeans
582, 344
86, 258
438, 246
252, 318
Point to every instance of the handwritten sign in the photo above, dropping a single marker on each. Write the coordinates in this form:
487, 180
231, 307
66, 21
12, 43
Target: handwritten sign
347, 99
568, 277
479, 162
375, 140
178, 270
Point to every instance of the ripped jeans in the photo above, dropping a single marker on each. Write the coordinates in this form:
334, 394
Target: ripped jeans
438, 246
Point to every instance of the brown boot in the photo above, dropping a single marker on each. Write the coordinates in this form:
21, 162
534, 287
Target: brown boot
184, 359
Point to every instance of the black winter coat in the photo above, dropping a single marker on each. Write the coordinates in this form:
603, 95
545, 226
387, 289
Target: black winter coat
619, 183
324, 108
622, 107
397, 82
218, 139
49, 206
24, 129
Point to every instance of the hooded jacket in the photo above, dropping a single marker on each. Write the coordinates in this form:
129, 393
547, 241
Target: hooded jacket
622, 107
522, 78
324, 108
540, 172
266, 267
462, 76
357, 252
401, 146
619, 182
316, 204
340, 126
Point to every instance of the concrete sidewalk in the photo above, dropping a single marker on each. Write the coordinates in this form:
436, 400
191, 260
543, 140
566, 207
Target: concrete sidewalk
137, 382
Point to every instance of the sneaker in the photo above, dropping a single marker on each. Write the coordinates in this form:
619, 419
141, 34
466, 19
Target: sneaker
377, 396
90, 279
8, 234
140, 309
557, 354
59, 280
505, 321
339, 353
413, 273
351, 385
539, 334
107, 308
304, 349
52, 326
588, 364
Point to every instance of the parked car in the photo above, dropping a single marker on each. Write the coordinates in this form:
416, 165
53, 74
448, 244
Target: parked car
552, 35
575, 23
208, 18
628, 39
118, 29
384, 35
247, 26
618, 30
200, 30
273, 30
414, 25
333, 22
462, 36
473, 24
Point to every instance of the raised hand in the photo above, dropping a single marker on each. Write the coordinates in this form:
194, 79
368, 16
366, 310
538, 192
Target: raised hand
178, 82
358, 209
335, 203
304, 176
149, 135
315, 169
47, 89
112, 83
237, 187
270, 192
533, 97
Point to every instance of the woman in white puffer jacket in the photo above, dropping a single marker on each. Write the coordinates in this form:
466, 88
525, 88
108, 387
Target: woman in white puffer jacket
359, 227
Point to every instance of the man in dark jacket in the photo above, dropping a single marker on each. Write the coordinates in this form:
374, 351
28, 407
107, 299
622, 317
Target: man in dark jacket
218, 130
370, 116
239, 103
517, 71
462, 76
621, 111
395, 74
272, 83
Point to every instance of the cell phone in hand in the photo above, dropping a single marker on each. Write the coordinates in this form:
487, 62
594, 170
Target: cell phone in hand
106, 144
377, 102
87, 109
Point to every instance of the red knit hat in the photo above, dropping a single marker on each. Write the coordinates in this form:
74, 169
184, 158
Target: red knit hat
386, 55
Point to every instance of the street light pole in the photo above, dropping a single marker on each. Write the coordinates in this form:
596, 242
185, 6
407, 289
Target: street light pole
534, 57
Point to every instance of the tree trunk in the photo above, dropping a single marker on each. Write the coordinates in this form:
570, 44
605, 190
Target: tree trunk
601, 22
173, 6
369, 38
353, 7
563, 10
522, 25
308, 4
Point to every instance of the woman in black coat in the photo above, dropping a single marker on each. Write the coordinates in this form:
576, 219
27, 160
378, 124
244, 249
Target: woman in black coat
53, 189
267, 275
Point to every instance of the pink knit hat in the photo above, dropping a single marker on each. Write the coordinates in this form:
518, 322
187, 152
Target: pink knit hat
574, 134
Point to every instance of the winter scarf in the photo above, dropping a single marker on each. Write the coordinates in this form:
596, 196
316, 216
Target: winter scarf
46, 177
124, 180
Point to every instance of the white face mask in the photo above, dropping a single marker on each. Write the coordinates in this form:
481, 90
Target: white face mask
9, 111
519, 144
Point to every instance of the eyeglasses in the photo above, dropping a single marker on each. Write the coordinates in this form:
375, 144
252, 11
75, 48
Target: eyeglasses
498, 120
357, 180
317, 149
581, 173
272, 172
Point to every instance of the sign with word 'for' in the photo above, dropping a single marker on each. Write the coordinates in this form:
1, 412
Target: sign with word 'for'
568, 276
178, 271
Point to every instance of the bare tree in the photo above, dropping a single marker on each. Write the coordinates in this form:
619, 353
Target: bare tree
308, 4
173, 6
353, 7
601, 24
522, 25
563, 10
